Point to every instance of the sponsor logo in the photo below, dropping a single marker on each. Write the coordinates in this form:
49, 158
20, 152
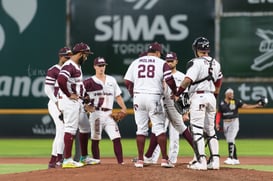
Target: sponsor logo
128, 32
265, 60
45, 127
251, 92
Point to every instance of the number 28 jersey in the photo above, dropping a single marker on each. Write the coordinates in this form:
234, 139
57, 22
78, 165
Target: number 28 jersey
147, 73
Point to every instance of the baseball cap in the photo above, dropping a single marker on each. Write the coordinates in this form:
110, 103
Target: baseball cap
82, 47
170, 56
153, 47
65, 51
100, 61
229, 90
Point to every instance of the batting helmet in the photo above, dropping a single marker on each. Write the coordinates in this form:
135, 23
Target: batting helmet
81, 47
201, 43
65, 52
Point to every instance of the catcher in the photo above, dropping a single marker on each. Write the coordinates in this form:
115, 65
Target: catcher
228, 111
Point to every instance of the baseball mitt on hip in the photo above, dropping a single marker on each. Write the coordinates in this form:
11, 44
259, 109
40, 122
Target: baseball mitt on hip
182, 105
118, 116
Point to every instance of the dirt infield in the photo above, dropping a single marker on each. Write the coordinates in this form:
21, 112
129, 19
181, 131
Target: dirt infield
109, 170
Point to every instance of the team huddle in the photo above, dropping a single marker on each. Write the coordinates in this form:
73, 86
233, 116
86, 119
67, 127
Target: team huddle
157, 89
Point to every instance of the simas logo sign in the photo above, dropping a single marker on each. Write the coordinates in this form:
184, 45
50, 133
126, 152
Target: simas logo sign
138, 27
265, 60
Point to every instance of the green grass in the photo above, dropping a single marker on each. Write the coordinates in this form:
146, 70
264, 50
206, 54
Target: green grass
267, 168
42, 148
16, 168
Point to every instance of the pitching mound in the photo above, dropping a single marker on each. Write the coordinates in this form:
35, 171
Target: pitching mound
109, 170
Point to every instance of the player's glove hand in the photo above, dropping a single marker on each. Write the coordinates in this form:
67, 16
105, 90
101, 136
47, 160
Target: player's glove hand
118, 116
182, 105
89, 108
61, 116
263, 101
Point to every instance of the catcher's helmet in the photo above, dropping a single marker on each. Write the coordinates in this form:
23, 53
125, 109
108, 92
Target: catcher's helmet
81, 47
65, 52
201, 43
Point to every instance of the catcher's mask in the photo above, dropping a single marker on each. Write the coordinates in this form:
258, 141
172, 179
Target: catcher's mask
200, 44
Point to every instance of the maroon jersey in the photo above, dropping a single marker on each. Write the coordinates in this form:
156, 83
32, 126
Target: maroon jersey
70, 79
51, 84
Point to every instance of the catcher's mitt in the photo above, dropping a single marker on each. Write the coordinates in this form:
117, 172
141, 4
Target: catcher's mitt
117, 116
263, 101
182, 105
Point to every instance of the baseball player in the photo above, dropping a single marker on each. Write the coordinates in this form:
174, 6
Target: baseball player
228, 111
203, 80
51, 90
174, 120
144, 81
70, 101
103, 90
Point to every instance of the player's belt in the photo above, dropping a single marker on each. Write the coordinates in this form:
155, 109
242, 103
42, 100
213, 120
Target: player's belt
102, 109
202, 92
146, 93
228, 120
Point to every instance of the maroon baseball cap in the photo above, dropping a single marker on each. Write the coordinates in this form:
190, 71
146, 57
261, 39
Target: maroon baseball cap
171, 56
82, 47
100, 61
65, 51
153, 47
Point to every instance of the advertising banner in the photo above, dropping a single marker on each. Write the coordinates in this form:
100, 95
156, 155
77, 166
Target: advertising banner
247, 5
119, 30
31, 34
250, 92
247, 50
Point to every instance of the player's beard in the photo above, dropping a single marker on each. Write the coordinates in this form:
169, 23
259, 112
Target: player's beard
82, 60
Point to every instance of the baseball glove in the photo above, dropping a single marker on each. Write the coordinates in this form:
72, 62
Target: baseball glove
89, 108
263, 101
117, 116
61, 116
182, 105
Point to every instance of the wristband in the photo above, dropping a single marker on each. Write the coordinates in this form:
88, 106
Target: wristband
179, 91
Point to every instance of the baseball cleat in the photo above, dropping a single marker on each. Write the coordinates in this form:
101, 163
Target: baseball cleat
134, 160
236, 162
214, 164
70, 163
139, 164
166, 164
148, 161
199, 165
86, 160
229, 161
51, 165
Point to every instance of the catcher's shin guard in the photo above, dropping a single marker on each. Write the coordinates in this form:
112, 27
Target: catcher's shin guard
198, 141
213, 145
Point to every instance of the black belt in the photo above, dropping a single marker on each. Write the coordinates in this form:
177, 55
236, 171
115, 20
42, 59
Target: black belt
202, 92
102, 109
